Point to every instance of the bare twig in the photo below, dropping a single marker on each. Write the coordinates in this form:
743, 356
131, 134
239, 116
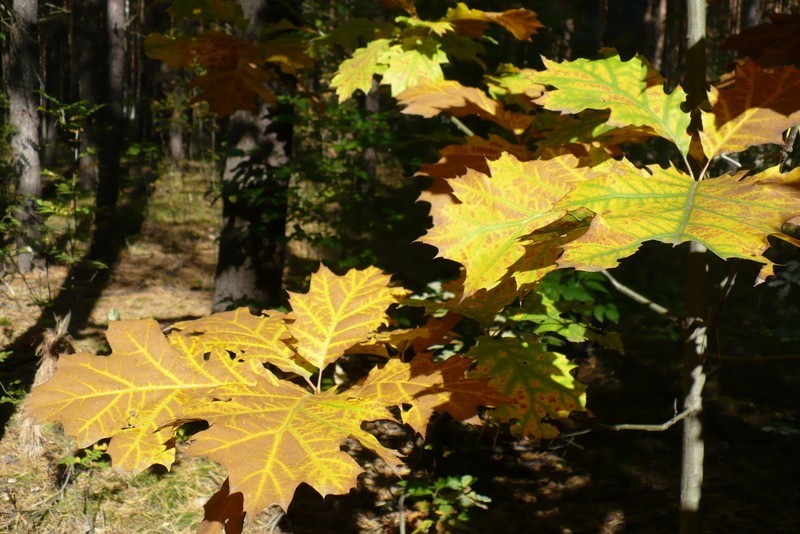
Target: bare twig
788, 146
461, 126
752, 359
651, 427
638, 297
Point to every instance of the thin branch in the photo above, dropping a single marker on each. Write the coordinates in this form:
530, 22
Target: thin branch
788, 146
461, 126
638, 297
755, 359
651, 428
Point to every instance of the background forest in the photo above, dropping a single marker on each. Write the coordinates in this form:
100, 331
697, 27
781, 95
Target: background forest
135, 184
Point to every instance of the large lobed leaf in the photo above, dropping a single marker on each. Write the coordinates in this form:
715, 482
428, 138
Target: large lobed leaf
483, 231
274, 436
632, 93
518, 221
732, 217
235, 69
430, 98
521, 23
356, 73
260, 337
756, 110
131, 394
339, 312
428, 386
537, 380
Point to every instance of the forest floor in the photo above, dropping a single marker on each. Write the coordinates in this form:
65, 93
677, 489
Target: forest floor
598, 481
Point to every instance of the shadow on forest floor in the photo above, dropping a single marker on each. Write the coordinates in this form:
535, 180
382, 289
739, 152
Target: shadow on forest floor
80, 290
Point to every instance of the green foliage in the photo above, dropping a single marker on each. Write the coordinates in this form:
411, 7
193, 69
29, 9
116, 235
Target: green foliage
94, 457
14, 392
445, 504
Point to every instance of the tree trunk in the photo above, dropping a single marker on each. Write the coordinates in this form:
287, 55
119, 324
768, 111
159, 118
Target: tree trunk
21, 68
697, 299
111, 135
91, 36
252, 242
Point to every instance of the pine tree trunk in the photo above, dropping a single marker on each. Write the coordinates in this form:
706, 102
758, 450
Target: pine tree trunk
21, 66
91, 37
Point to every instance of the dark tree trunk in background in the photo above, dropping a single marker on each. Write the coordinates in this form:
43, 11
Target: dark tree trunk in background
91, 37
252, 242
751, 13
111, 135
625, 29
21, 68
102, 82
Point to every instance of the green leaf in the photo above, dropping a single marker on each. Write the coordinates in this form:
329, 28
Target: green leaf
408, 67
731, 216
538, 381
357, 72
634, 95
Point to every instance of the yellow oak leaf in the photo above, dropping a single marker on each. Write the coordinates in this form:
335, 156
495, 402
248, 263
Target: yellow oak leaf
271, 437
732, 217
131, 394
339, 312
630, 90
260, 337
483, 232
356, 73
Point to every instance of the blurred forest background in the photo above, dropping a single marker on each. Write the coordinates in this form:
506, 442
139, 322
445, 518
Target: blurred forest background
120, 196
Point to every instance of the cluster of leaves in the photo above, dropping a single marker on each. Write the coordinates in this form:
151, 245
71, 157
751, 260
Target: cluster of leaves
270, 433
444, 504
550, 188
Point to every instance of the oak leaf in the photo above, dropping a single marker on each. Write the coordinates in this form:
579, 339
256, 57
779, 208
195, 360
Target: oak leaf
263, 338
428, 386
474, 154
235, 73
407, 67
538, 382
131, 394
630, 90
521, 23
339, 312
271, 437
732, 217
515, 199
430, 98
756, 110
356, 73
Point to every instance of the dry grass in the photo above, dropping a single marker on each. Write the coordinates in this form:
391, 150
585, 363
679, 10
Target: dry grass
166, 272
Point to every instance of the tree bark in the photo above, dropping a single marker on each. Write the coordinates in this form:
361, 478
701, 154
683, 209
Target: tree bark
92, 69
252, 243
21, 66
111, 135
697, 298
